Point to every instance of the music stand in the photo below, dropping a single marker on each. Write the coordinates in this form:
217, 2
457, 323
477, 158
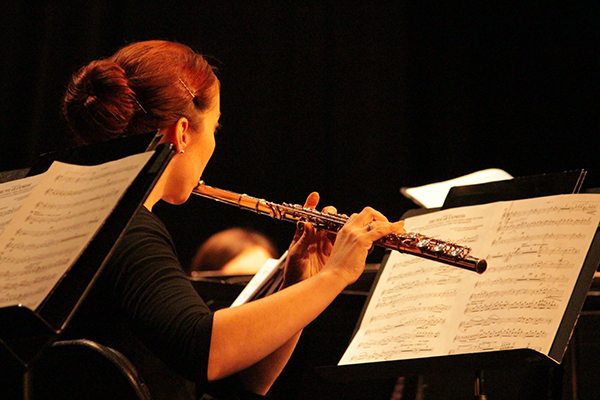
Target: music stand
25, 333
561, 183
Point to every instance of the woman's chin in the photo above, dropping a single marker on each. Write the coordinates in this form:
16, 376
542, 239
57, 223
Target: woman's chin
177, 200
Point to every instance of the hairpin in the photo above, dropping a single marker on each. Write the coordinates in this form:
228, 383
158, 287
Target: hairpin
140, 105
187, 88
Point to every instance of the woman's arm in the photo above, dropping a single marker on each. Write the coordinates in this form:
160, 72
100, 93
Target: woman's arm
243, 336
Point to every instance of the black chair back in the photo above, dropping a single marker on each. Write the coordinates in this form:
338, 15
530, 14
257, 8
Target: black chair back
83, 369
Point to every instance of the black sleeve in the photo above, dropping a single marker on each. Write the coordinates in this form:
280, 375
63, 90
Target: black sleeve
158, 299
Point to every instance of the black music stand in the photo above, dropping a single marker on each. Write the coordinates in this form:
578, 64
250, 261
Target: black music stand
473, 364
25, 333
524, 187
219, 291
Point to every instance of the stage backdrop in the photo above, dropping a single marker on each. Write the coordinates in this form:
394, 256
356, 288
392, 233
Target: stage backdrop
352, 100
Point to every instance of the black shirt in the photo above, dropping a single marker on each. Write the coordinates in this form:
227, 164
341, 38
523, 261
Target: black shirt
144, 306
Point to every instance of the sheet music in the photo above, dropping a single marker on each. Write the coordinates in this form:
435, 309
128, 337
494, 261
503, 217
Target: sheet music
55, 222
535, 249
266, 271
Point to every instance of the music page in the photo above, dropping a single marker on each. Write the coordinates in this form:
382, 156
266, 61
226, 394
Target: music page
54, 224
262, 276
535, 249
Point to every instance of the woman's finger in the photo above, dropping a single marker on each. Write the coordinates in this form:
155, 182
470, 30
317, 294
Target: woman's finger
366, 216
329, 210
312, 200
382, 228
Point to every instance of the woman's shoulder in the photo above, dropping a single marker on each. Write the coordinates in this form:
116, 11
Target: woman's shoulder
145, 217
145, 223
146, 239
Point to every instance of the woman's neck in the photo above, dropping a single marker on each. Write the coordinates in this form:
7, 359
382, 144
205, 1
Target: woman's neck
156, 194
149, 203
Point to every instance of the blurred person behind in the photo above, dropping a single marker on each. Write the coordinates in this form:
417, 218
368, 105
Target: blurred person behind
232, 251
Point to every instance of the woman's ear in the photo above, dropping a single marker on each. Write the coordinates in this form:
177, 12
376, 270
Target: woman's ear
178, 134
183, 134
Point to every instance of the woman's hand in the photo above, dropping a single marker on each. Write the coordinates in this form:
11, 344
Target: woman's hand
355, 239
344, 253
310, 249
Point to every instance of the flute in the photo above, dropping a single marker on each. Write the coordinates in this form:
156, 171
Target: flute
411, 243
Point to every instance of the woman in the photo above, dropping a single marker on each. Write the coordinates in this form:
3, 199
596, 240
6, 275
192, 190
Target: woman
143, 304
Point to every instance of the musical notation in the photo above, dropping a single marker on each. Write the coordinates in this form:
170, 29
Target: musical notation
495, 320
12, 195
540, 237
577, 206
400, 320
523, 276
506, 332
544, 291
507, 305
401, 285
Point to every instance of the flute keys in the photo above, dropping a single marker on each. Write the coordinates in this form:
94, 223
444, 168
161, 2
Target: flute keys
457, 252
423, 244
438, 248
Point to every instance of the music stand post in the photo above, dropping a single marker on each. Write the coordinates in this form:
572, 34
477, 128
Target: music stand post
26, 333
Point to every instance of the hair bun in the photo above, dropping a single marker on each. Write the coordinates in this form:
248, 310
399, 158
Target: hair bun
99, 103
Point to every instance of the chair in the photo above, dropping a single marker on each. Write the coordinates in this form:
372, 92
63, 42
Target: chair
83, 369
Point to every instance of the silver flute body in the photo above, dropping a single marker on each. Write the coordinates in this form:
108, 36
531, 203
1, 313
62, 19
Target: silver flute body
410, 242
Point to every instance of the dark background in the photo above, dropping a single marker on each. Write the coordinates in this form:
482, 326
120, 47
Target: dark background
352, 100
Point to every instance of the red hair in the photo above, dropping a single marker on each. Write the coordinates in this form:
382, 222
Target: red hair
142, 87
